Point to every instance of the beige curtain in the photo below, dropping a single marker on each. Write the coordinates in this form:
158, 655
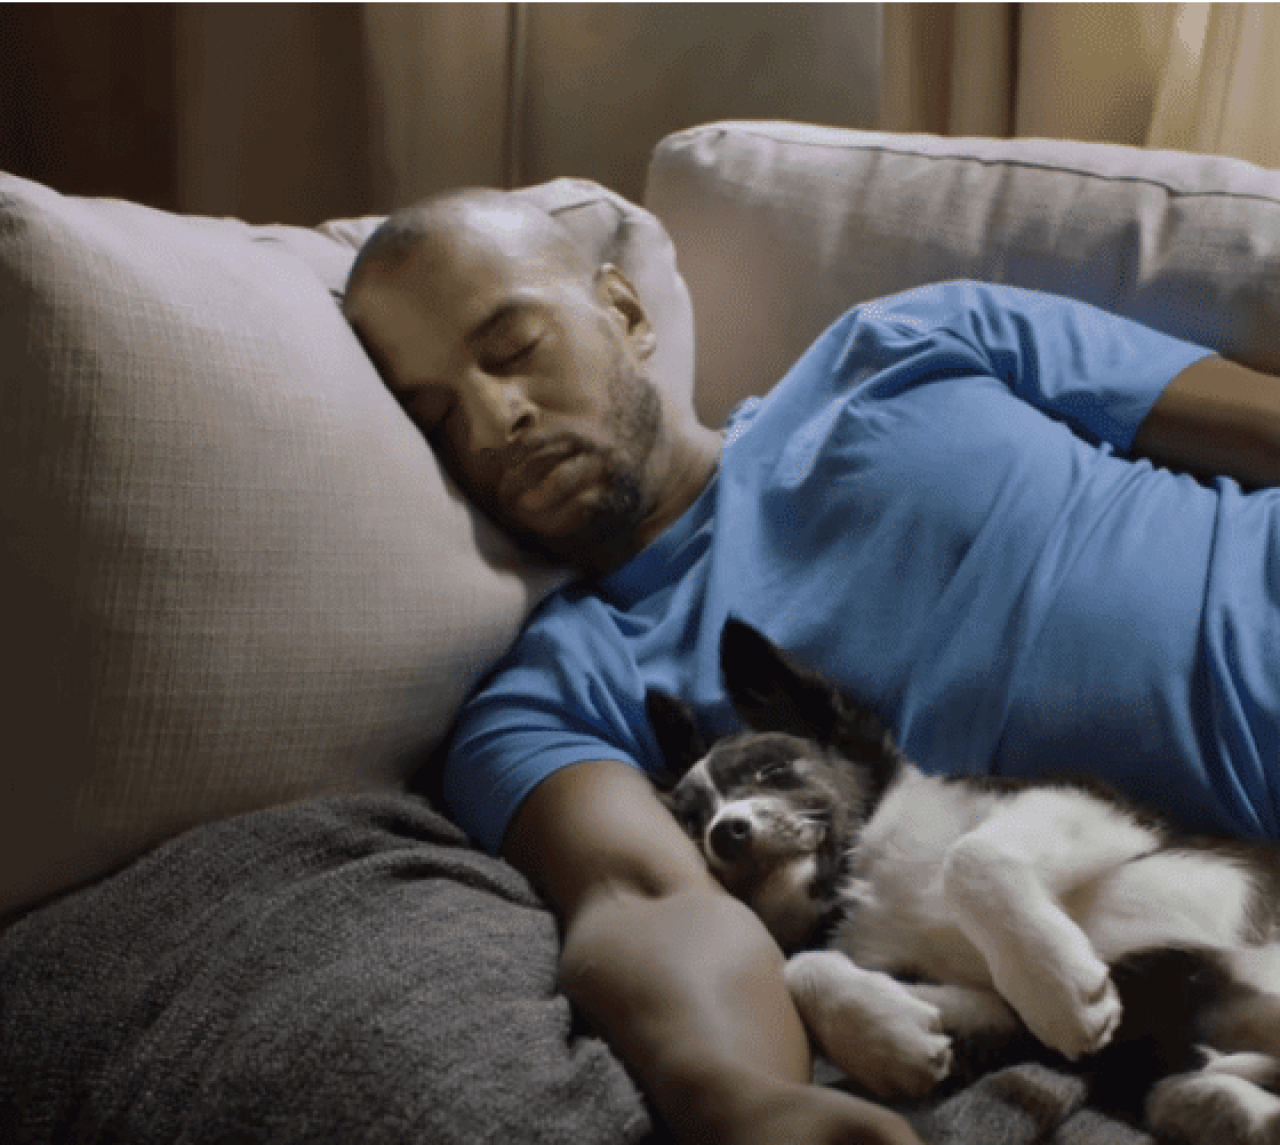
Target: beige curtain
440, 83
298, 112
1219, 91
1195, 77
1061, 71
519, 93
948, 69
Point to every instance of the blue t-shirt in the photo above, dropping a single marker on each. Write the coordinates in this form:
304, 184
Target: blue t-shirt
933, 507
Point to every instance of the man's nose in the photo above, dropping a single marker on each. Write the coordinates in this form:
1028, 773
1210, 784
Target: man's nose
500, 412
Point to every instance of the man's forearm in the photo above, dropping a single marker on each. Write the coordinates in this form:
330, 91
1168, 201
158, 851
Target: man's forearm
683, 980
688, 988
1216, 417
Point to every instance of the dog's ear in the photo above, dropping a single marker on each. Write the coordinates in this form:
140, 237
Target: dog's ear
676, 731
771, 692
774, 693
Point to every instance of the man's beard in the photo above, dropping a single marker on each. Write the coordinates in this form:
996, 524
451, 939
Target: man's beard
607, 536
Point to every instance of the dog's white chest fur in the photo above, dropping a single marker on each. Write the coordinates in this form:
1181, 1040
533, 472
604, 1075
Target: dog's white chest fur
900, 919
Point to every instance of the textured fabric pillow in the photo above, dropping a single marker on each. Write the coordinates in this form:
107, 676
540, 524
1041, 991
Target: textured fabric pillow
782, 227
233, 574
341, 971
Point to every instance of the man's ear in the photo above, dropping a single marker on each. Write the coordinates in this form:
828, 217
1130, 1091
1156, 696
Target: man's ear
615, 291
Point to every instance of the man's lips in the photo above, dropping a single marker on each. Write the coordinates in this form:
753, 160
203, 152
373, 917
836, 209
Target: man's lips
543, 478
558, 484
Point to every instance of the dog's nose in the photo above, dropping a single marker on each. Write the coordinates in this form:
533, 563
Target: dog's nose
730, 838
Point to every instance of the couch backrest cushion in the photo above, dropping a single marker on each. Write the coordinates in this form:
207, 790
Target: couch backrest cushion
781, 227
233, 573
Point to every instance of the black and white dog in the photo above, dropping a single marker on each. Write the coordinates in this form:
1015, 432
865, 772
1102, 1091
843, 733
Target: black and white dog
969, 907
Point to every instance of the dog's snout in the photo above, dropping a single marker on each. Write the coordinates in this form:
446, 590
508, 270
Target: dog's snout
730, 837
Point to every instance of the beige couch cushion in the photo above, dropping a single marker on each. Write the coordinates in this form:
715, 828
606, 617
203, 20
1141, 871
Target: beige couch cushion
781, 227
232, 572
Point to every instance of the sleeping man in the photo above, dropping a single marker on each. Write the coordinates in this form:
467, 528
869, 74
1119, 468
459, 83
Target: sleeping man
1016, 525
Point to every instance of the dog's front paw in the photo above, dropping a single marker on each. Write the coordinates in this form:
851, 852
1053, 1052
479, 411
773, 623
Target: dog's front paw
894, 1045
1071, 1007
870, 1025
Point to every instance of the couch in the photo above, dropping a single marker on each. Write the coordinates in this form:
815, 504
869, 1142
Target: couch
243, 603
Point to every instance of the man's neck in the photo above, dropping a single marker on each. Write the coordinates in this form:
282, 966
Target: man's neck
685, 469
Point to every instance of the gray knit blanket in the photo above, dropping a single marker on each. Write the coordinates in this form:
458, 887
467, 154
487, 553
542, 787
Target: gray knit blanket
350, 970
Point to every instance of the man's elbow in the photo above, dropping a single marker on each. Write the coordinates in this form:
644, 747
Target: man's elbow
1216, 418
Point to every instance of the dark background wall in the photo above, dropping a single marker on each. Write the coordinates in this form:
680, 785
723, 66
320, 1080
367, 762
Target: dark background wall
88, 98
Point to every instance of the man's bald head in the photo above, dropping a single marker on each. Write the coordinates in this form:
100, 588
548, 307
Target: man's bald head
479, 218
527, 366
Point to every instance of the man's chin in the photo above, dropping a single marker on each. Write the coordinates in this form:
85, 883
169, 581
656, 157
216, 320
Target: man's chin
589, 549
592, 540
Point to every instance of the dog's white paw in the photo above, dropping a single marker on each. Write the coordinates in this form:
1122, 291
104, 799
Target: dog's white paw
967, 1011
1071, 1005
871, 1026
900, 1052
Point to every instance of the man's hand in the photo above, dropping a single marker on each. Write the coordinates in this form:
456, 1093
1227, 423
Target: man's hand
683, 979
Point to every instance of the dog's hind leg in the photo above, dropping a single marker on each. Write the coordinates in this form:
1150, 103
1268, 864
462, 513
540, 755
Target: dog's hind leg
1250, 1021
1248, 1018
965, 1011
1228, 1102
985, 1033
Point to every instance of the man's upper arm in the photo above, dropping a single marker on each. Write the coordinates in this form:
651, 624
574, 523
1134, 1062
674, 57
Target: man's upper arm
598, 825
1216, 418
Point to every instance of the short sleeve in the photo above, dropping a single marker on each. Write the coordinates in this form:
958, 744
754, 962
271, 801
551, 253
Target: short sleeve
566, 693
1095, 371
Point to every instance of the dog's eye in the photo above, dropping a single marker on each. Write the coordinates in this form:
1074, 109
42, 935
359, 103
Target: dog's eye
773, 773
